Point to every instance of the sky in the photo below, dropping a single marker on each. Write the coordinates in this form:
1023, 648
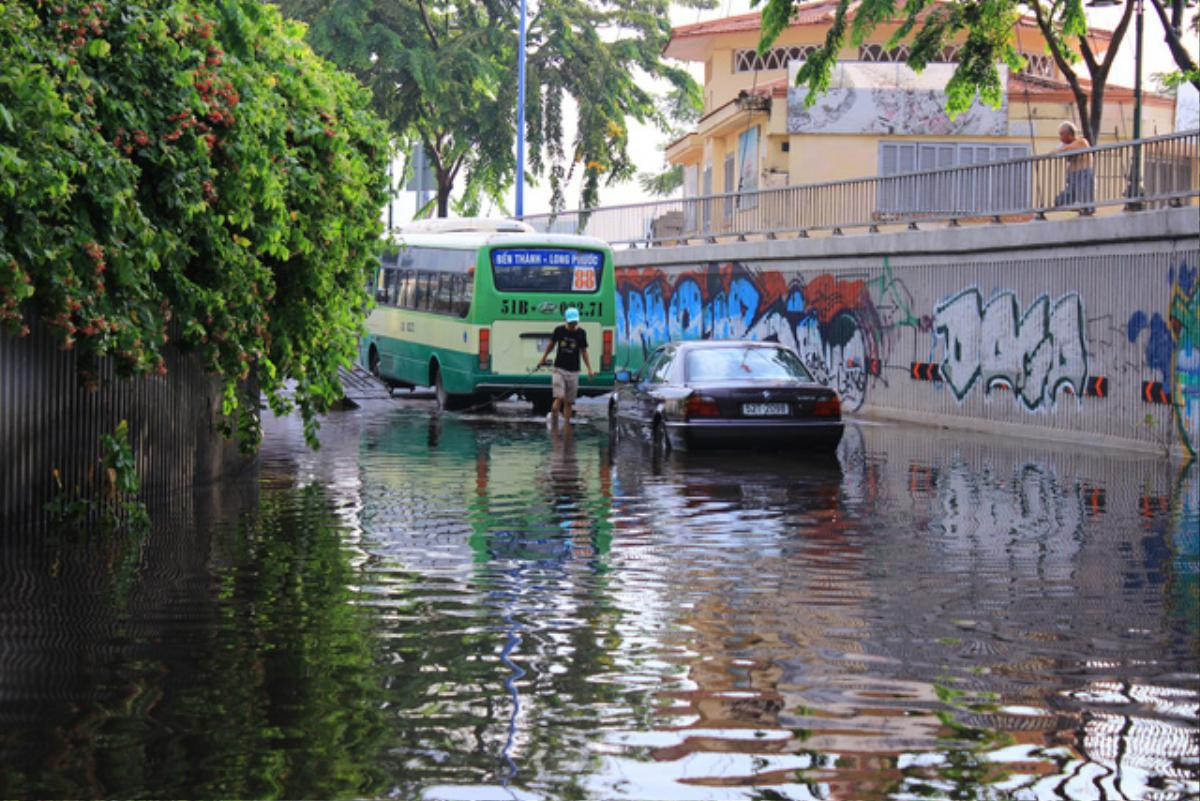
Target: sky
646, 142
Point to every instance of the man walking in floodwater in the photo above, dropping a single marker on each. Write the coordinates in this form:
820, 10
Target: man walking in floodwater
1080, 177
571, 341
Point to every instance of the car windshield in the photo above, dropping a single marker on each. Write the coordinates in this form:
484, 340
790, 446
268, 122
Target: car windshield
745, 364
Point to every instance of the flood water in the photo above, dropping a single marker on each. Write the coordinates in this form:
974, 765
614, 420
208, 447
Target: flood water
448, 607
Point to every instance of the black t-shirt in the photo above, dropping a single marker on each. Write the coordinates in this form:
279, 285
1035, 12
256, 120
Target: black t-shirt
569, 343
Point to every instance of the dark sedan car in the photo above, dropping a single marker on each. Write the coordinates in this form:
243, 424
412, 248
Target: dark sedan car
728, 393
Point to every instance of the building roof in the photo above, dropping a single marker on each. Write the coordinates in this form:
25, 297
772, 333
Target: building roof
686, 41
1048, 90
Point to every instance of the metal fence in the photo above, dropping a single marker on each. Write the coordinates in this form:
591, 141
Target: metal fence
1146, 173
50, 427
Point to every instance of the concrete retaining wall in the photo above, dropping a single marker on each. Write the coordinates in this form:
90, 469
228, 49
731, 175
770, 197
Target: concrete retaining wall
1084, 329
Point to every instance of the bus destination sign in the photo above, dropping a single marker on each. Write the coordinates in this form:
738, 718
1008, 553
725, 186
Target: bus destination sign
547, 269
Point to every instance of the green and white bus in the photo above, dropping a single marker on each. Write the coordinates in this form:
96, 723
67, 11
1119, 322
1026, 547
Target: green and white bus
468, 307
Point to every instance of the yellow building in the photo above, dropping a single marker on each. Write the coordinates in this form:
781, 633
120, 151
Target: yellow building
880, 118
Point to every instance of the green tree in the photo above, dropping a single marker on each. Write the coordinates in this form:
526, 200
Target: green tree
443, 73
187, 172
1173, 34
682, 108
662, 183
989, 31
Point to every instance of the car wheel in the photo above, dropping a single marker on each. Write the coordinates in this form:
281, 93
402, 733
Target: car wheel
658, 437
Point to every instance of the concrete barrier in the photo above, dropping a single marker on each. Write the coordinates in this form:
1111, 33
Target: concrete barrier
1082, 329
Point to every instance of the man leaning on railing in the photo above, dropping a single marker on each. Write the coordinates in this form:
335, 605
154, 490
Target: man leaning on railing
1080, 176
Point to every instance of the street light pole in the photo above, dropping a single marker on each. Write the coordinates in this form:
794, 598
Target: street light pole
520, 206
1136, 189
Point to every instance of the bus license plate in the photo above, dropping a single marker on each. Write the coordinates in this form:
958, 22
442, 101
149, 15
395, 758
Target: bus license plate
764, 409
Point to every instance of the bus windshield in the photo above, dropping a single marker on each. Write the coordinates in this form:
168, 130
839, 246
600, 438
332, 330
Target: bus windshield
547, 270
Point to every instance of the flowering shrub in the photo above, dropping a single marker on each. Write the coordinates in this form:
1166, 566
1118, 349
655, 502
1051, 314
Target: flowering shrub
187, 170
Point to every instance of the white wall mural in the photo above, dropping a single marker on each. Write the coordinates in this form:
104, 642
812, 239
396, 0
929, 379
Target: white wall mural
1035, 354
891, 98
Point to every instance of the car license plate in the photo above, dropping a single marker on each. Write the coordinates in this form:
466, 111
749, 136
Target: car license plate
764, 409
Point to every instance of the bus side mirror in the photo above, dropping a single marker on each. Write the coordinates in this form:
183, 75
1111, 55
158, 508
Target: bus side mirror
622, 376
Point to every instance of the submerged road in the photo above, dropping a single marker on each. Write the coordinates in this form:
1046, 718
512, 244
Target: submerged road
476, 607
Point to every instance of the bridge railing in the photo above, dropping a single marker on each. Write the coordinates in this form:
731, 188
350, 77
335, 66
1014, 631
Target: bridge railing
1145, 173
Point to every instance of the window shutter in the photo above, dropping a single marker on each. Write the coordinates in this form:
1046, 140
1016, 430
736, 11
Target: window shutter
983, 190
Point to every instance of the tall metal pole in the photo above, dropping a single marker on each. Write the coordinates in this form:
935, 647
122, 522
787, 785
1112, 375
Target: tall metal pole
521, 116
1137, 103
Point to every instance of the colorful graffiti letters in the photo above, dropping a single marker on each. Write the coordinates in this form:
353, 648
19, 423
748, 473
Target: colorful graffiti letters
1185, 332
830, 322
1172, 348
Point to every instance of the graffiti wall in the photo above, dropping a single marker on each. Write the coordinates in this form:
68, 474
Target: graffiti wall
1087, 340
1036, 352
841, 325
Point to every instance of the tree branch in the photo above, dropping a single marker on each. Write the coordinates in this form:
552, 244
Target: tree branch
433, 39
1064, 66
1183, 59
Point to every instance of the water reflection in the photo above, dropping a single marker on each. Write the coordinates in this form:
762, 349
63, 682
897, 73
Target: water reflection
229, 665
456, 607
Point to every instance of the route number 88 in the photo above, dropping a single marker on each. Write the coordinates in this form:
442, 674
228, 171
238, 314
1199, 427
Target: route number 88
584, 280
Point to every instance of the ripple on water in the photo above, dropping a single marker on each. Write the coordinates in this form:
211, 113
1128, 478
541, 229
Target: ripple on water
441, 607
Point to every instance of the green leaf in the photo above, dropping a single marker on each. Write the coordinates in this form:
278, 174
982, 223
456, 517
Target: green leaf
98, 48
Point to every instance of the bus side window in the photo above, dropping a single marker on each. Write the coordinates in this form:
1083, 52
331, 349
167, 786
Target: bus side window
407, 287
462, 298
435, 292
424, 285
447, 292
381, 287
393, 289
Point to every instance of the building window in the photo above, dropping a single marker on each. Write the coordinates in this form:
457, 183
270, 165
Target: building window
747, 180
911, 188
776, 58
877, 52
1037, 64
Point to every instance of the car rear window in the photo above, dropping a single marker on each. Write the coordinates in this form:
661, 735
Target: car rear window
745, 364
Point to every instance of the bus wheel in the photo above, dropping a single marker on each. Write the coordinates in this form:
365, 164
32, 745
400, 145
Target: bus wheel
445, 401
439, 388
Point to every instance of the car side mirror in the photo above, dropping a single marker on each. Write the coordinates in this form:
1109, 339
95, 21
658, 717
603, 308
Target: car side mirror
622, 376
